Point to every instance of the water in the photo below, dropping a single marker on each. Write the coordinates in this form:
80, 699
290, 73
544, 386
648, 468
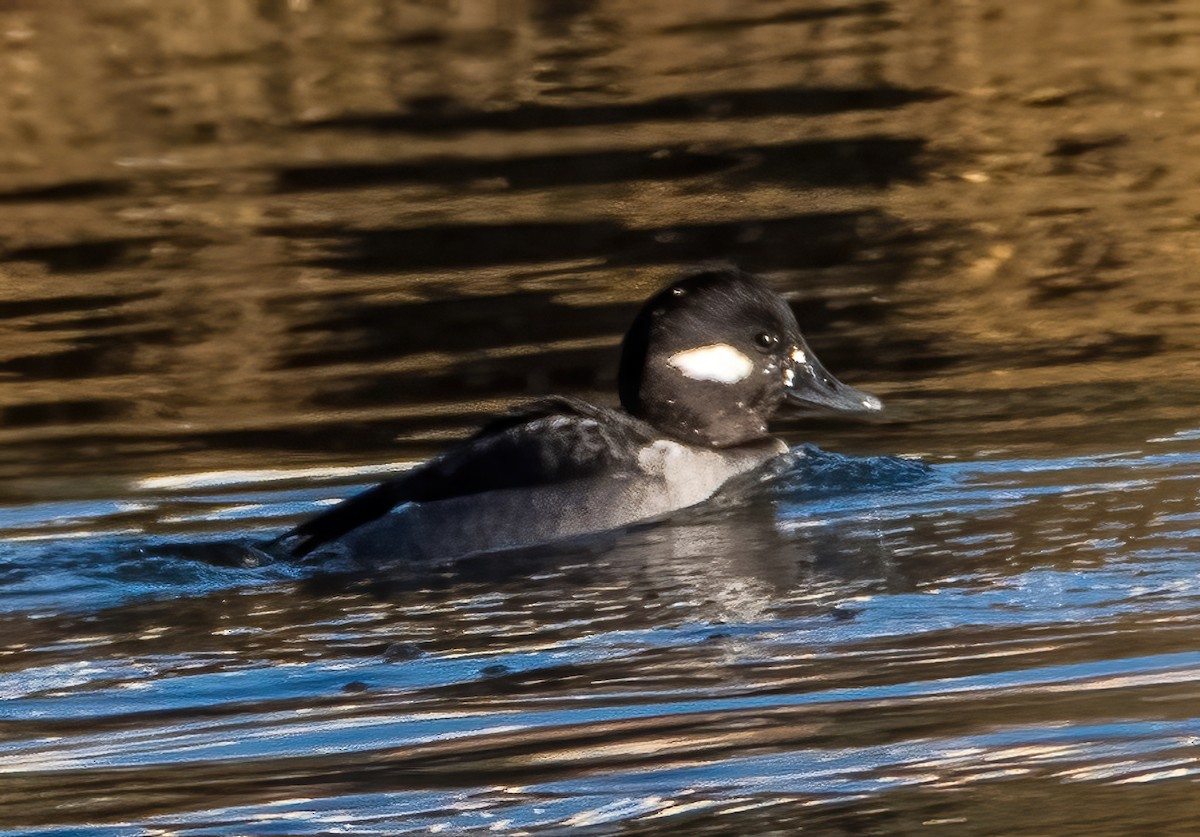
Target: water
255, 255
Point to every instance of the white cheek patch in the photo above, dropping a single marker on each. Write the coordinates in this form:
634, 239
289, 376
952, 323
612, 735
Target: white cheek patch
798, 356
718, 362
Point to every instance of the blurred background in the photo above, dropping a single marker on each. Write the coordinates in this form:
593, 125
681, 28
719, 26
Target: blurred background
339, 230
255, 253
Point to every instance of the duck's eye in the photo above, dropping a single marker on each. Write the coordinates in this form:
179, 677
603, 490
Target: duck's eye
766, 341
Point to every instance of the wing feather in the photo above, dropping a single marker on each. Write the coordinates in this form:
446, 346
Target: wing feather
545, 442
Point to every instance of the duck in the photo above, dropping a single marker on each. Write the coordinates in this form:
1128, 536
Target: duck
705, 364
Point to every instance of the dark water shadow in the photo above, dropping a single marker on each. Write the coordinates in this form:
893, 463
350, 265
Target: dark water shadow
805, 240
868, 161
95, 255
871, 8
352, 329
69, 191
445, 115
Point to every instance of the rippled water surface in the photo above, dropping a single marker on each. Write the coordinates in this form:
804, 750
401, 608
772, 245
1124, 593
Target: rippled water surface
255, 255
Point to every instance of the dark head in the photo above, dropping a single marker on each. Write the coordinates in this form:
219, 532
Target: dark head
709, 358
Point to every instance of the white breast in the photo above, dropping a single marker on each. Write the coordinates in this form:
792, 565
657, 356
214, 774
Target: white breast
668, 476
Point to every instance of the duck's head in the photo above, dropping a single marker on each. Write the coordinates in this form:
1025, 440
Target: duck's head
710, 357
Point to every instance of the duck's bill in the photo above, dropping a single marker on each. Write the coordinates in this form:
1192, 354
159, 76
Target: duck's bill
812, 389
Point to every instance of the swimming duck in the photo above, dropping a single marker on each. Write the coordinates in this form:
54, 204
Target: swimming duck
704, 365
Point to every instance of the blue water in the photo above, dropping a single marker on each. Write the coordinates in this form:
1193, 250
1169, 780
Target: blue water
859, 627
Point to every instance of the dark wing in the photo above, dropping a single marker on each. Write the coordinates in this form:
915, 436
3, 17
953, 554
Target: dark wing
542, 443
345, 516
556, 406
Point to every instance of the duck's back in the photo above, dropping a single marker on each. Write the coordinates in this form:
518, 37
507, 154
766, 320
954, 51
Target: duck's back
554, 469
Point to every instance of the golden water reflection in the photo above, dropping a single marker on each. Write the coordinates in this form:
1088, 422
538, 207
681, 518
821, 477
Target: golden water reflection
242, 231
